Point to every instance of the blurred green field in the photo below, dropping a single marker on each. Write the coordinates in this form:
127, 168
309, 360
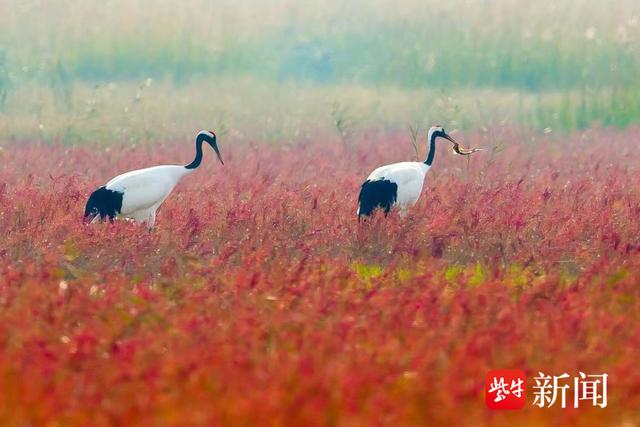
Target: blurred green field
121, 70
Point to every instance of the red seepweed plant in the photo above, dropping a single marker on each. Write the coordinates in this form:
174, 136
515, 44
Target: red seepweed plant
259, 300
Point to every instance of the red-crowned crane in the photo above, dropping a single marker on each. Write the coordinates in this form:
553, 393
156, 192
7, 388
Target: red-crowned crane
139, 193
400, 184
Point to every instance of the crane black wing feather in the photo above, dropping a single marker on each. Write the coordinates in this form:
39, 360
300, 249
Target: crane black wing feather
379, 193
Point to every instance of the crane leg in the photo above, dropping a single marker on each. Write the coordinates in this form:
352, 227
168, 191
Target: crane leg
151, 220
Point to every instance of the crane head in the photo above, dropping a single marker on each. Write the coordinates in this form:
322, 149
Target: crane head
210, 137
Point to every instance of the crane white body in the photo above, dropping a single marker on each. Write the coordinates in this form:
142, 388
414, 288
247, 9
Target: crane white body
398, 184
144, 190
408, 176
138, 194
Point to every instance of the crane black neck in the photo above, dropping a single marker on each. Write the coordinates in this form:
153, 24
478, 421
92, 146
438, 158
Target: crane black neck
198, 158
432, 149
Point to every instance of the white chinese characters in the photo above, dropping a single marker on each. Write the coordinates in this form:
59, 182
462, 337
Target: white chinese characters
550, 390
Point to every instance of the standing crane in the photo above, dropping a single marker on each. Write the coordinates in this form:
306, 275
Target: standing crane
138, 194
400, 184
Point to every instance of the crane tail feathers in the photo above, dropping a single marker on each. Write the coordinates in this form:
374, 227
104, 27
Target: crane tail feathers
103, 203
380, 193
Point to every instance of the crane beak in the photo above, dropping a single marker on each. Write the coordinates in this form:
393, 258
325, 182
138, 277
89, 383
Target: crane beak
446, 136
214, 145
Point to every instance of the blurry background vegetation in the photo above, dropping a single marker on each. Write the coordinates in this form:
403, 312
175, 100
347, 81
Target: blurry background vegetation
135, 70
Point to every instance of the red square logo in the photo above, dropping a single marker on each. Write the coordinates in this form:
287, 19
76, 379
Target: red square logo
505, 389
